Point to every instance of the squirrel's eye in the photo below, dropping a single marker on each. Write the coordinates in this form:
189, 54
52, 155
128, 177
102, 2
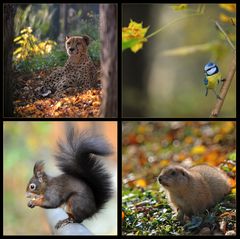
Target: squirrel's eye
32, 186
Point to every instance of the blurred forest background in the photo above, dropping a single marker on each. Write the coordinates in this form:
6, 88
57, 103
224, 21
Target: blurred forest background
147, 147
165, 78
53, 22
24, 144
150, 146
34, 44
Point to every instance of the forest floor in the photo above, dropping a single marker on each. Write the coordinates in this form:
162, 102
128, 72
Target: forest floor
29, 104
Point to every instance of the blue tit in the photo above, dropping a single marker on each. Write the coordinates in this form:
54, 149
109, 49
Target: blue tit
213, 77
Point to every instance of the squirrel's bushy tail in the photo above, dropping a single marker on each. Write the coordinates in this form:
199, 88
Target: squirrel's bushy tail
78, 157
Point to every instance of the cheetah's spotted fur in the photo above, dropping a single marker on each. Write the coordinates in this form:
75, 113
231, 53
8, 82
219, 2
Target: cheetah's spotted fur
78, 73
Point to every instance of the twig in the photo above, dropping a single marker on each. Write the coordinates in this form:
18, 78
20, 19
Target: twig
224, 33
227, 83
172, 22
224, 89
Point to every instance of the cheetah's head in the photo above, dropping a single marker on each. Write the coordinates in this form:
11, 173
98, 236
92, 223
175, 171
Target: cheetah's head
76, 45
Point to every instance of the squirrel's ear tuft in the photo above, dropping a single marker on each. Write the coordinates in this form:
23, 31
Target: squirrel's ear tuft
38, 170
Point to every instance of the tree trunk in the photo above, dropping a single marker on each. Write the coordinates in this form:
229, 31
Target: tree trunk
8, 35
55, 26
65, 22
108, 36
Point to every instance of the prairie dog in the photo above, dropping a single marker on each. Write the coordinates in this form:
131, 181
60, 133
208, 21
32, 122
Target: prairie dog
193, 190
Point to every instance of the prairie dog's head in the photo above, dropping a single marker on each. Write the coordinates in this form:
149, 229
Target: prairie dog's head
174, 177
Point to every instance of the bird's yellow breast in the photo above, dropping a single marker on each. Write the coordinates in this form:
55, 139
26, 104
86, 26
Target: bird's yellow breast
213, 80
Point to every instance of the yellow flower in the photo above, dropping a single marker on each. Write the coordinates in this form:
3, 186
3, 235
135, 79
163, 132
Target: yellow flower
133, 36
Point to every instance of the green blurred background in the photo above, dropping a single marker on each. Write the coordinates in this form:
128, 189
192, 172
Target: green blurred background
165, 78
23, 144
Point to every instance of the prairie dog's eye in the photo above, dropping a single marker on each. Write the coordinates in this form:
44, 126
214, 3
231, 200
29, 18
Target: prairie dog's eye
32, 186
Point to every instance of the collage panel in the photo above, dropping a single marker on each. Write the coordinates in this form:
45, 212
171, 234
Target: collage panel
179, 60
60, 60
60, 178
178, 178
131, 151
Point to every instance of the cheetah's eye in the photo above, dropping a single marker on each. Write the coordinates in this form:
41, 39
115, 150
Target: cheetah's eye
173, 173
78, 43
68, 43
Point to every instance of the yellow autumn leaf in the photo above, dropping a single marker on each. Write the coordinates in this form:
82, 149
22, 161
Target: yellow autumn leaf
27, 29
137, 46
133, 36
163, 163
133, 31
140, 182
232, 182
227, 19
179, 7
199, 149
217, 138
188, 140
228, 7
227, 127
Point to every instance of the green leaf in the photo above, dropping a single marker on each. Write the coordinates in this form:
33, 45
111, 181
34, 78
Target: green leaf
232, 156
129, 44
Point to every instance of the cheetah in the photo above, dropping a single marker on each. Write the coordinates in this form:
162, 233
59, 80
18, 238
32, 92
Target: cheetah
78, 73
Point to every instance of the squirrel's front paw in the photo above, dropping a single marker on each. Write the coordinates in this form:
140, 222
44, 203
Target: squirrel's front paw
31, 204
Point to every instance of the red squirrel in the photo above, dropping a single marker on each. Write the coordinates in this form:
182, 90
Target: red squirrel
84, 186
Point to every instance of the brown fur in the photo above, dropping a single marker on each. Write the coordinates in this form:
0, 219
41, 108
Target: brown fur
193, 190
78, 73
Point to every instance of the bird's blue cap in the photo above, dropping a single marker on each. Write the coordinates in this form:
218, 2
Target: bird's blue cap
211, 68
209, 65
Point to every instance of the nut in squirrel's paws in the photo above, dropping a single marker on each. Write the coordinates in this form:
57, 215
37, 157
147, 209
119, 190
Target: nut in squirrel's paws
30, 203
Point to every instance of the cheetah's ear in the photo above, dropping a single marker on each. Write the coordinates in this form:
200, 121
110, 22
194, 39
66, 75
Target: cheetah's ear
86, 39
67, 37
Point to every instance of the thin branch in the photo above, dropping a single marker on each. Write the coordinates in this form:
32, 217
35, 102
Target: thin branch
226, 36
224, 89
172, 22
